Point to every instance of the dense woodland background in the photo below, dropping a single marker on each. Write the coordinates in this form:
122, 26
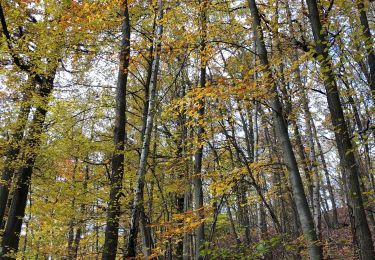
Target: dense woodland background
194, 129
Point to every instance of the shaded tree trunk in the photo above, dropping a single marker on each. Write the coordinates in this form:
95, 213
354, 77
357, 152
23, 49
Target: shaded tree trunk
11, 156
119, 139
180, 199
344, 145
198, 156
315, 251
10, 242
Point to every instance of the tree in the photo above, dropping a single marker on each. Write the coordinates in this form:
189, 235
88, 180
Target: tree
185, 129
119, 140
198, 156
344, 145
304, 213
149, 119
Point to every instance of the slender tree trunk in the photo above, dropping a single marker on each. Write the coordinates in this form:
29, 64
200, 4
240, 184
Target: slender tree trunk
141, 172
119, 139
344, 145
278, 179
249, 137
197, 178
304, 213
180, 200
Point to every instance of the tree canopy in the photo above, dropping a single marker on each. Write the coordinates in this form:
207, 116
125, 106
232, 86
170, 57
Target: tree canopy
200, 129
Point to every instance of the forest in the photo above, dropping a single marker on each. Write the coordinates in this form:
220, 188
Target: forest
192, 129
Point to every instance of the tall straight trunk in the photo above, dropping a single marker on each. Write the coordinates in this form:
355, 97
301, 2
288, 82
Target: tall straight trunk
344, 145
11, 236
301, 150
307, 223
278, 178
119, 139
141, 172
247, 127
368, 45
12, 155
198, 156
180, 197
145, 220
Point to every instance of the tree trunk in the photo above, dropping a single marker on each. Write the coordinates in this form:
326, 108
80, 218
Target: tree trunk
10, 242
11, 155
183, 174
198, 156
344, 145
304, 213
141, 172
119, 138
